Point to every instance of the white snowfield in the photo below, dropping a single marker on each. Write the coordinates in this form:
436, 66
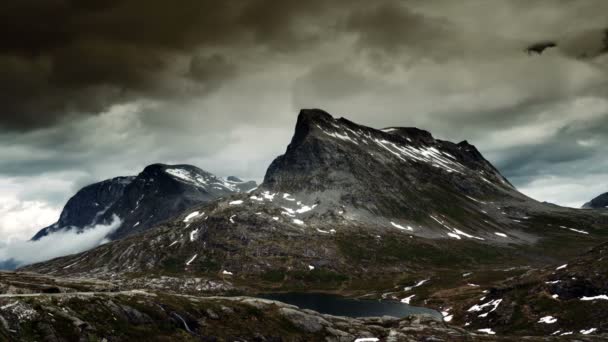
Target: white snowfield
454, 232
198, 180
191, 216
267, 195
600, 297
407, 300
305, 208
446, 315
493, 304
287, 207
191, 260
420, 283
474, 199
587, 331
454, 236
547, 320
575, 230
401, 227
403, 152
193, 234
487, 331
429, 155
344, 136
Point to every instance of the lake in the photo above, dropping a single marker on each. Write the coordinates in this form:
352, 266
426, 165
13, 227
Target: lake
350, 307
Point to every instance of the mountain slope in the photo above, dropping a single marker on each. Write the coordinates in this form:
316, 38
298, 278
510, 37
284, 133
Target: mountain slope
158, 193
599, 202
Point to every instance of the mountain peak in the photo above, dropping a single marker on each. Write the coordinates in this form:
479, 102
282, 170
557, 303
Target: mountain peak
314, 115
158, 193
310, 120
369, 169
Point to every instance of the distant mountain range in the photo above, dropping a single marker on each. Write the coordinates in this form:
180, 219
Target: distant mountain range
158, 193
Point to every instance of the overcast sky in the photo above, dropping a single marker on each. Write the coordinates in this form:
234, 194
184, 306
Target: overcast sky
96, 89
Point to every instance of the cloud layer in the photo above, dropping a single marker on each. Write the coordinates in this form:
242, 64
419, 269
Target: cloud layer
23, 252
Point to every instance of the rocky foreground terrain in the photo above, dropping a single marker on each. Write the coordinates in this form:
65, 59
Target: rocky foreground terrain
39, 308
351, 210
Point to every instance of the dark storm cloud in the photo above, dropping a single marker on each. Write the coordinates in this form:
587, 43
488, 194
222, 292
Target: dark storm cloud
586, 44
211, 69
391, 27
62, 58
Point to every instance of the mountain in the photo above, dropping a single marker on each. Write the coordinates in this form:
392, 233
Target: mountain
158, 193
392, 213
348, 201
600, 202
400, 174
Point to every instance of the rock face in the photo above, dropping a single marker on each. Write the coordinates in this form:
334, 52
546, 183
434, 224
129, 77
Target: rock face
158, 193
600, 202
400, 173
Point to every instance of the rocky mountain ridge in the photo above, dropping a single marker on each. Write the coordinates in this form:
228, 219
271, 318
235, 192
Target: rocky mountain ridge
158, 193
